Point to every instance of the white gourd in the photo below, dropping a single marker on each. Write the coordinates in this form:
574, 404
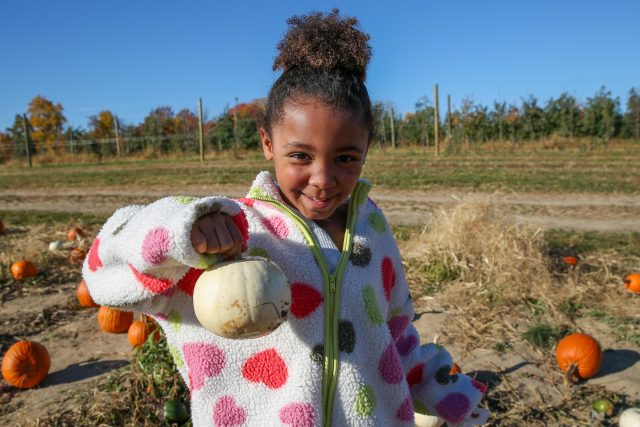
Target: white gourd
56, 245
630, 417
427, 420
241, 299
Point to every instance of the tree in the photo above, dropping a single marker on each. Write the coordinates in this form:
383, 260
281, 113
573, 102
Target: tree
158, 126
47, 121
532, 119
632, 116
602, 117
102, 126
562, 116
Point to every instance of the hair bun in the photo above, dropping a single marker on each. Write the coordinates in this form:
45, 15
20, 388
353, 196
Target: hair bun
324, 41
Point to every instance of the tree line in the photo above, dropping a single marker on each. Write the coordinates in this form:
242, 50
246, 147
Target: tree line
43, 128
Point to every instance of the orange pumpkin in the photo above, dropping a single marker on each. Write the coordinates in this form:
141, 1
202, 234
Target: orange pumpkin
139, 332
20, 270
77, 255
632, 283
579, 356
113, 320
570, 260
84, 297
454, 369
25, 364
75, 233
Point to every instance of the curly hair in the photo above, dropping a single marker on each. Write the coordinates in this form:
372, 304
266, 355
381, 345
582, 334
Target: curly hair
323, 56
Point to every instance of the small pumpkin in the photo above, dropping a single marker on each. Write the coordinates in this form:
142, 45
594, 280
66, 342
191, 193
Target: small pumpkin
602, 407
454, 369
632, 283
248, 298
175, 412
77, 255
23, 269
75, 233
579, 356
84, 297
140, 330
56, 245
113, 320
630, 417
422, 420
25, 364
570, 260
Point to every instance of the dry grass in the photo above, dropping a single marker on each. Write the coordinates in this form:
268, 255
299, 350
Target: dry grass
506, 292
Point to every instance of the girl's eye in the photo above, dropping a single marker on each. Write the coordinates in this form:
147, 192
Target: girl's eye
346, 159
299, 156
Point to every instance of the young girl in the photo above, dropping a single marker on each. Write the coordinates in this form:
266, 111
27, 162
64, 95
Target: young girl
348, 354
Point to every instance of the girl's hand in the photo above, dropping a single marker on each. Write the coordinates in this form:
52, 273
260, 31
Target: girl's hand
216, 233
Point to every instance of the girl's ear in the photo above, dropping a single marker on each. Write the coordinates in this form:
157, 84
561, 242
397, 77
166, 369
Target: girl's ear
267, 144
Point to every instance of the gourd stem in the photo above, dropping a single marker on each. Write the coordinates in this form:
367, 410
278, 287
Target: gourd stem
571, 376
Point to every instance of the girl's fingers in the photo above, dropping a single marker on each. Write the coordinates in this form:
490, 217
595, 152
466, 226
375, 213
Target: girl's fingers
198, 241
236, 236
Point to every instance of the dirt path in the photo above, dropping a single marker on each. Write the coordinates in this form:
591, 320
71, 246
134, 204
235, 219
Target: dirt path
583, 212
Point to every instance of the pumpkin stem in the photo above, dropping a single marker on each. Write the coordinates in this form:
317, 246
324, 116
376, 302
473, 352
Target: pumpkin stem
571, 376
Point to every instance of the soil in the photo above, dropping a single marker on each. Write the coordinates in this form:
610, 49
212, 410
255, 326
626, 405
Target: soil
82, 355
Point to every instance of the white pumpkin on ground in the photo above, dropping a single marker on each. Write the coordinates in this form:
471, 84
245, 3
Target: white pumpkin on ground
241, 299
427, 420
56, 245
630, 417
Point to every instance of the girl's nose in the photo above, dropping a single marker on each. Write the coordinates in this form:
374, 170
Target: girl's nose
322, 177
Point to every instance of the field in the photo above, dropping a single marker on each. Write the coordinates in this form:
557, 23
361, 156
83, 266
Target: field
484, 235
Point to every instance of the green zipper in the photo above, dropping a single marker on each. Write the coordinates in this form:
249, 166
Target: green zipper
331, 285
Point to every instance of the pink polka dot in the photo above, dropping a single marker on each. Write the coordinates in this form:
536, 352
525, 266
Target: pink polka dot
247, 201
407, 344
153, 284
156, 246
405, 411
266, 367
298, 414
203, 360
188, 281
453, 408
479, 386
389, 366
93, 257
397, 325
226, 413
388, 277
277, 226
414, 376
304, 299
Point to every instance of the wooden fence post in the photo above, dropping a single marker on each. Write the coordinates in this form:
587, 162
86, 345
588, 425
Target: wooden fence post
200, 130
393, 133
117, 136
436, 120
26, 138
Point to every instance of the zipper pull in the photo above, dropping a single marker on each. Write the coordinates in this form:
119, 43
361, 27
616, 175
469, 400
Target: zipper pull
332, 283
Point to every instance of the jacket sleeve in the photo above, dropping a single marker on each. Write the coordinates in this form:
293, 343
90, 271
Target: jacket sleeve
142, 253
453, 398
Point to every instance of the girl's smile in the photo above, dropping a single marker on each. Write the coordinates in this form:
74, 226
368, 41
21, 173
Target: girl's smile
318, 153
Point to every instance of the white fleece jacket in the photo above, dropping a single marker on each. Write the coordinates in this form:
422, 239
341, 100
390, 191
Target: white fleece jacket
143, 260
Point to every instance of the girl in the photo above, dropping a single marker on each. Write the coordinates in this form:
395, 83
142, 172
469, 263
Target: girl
348, 354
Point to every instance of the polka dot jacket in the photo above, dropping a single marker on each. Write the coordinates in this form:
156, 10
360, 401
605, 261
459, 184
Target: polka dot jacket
143, 260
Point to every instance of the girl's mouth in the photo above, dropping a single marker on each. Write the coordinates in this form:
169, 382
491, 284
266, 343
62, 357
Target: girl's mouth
318, 202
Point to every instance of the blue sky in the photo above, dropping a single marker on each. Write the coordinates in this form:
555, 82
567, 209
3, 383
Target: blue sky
132, 56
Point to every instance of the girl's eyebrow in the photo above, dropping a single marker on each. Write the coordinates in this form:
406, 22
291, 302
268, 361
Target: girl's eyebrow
302, 145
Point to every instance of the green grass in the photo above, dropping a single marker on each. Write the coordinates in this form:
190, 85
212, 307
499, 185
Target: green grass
407, 168
27, 218
627, 244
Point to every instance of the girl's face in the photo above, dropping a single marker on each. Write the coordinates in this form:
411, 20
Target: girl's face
318, 154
